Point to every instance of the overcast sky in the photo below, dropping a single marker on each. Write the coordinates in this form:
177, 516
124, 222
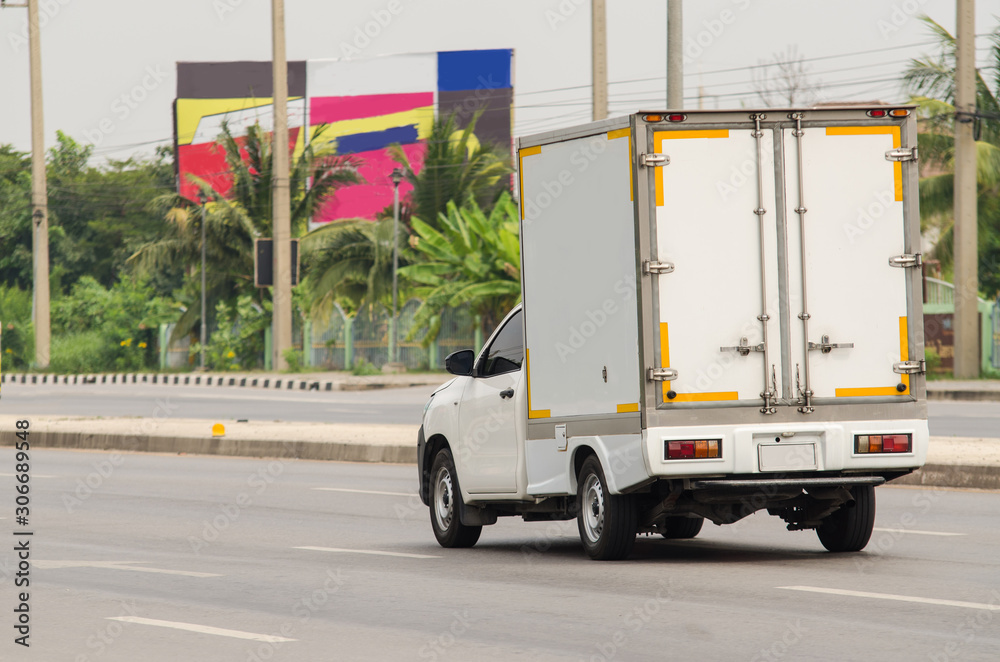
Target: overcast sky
115, 59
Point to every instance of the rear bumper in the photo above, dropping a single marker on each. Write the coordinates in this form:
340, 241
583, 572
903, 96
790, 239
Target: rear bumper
789, 450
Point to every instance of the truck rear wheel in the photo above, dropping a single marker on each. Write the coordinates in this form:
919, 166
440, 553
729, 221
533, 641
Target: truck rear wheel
607, 522
850, 528
682, 528
446, 504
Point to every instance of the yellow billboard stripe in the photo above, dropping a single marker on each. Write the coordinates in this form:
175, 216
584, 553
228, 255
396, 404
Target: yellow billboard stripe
904, 355
527, 151
630, 407
532, 413
423, 117
190, 112
660, 136
876, 131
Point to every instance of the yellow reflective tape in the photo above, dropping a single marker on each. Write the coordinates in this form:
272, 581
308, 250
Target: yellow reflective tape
706, 397
699, 133
660, 136
619, 133
532, 413
630, 407
665, 354
893, 131
527, 151
904, 355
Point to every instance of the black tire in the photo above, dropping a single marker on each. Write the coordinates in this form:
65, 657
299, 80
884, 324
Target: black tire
682, 528
850, 528
607, 522
446, 502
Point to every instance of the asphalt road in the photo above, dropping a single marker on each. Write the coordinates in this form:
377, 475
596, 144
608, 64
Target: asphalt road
148, 557
951, 419
396, 405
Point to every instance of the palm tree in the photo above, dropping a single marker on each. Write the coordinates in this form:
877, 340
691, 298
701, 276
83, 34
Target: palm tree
931, 80
457, 166
350, 259
233, 222
470, 258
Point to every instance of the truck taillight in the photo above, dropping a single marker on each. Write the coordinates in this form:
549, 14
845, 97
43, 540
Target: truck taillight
882, 443
676, 117
694, 449
882, 112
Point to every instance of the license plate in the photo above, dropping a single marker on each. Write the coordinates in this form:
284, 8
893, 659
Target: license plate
786, 457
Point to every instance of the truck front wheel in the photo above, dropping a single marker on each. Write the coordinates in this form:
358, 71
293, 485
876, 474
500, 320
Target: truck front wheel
607, 522
446, 504
850, 528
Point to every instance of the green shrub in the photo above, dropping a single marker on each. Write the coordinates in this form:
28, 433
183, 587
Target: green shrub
363, 367
933, 360
293, 357
78, 353
238, 341
18, 341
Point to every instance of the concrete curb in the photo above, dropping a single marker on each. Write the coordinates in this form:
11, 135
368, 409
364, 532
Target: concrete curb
302, 450
963, 395
275, 383
983, 477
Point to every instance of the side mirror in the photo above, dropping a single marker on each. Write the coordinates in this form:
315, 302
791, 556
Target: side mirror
460, 363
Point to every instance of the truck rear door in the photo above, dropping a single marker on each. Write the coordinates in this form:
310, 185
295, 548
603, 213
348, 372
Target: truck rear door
781, 251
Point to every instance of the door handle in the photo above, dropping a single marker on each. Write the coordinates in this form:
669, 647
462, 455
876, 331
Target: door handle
507, 393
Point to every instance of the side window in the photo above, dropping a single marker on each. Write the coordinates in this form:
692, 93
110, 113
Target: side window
507, 350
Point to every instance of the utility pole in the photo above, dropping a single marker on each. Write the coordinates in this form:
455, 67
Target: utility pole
281, 321
966, 364
204, 317
397, 177
675, 55
39, 193
599, 46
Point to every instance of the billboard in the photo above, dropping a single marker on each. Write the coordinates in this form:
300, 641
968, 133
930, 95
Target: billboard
364, 104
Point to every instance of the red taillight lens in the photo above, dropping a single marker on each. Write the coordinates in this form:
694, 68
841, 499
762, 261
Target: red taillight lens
882, 443
676, 117
693, 448
878, 113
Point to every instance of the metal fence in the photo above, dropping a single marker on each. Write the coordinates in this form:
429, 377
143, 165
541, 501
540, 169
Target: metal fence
338, 341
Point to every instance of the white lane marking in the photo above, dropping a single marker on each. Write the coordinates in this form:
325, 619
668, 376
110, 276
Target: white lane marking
344, 489
898, 598
32, 475
203, 629
368, 551
922, 533
118, 565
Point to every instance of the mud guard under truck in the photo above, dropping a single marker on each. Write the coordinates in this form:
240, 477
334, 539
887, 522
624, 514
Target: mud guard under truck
721, 315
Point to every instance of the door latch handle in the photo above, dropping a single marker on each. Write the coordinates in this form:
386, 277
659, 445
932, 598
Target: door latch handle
507, 393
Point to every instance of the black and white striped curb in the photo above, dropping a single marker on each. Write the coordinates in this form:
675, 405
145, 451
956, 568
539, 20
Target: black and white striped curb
283, 383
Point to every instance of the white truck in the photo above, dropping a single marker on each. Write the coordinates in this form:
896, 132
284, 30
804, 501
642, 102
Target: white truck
721, 314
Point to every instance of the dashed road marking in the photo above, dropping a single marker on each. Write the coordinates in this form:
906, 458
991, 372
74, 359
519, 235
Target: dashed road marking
118, 565
920, 533
898, 598
344, 489
374, 552
203, 629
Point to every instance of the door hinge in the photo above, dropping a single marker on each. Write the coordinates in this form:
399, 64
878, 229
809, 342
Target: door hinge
653, 267
661, 374
901, 154
653, 160
826, 346
744, 348
910, 367
906, 260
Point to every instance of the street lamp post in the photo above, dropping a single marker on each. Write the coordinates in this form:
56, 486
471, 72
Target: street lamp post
204, 320
397, 177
